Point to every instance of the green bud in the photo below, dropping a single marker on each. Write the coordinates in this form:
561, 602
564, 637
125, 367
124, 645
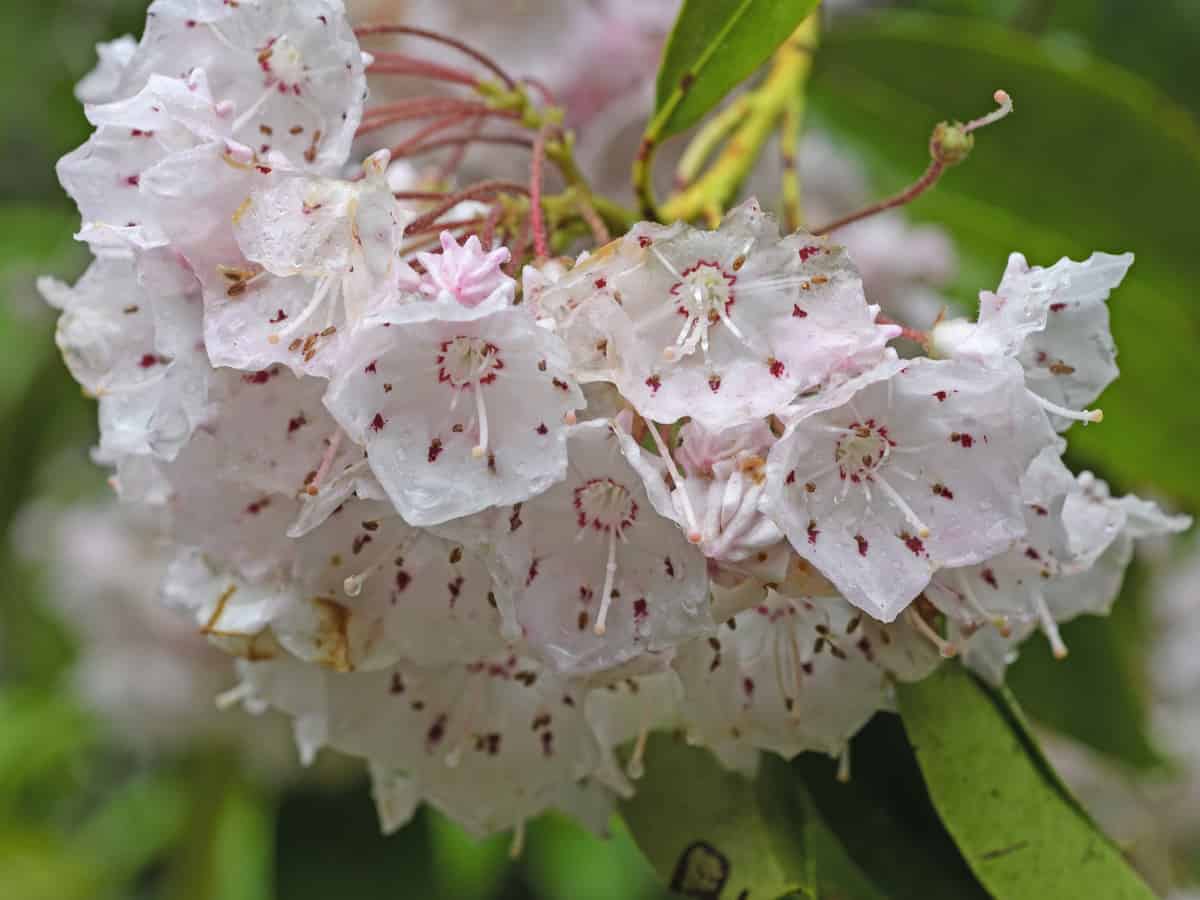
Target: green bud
950, 143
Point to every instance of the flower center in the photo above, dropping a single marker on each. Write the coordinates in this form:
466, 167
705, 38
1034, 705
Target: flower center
605, 505
862, 449
704, 296
284, 65
465, 361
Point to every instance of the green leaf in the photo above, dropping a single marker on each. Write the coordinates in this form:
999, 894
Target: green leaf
714, 46
1020, 834
884, 819
703, 829
1093, 158
562, 861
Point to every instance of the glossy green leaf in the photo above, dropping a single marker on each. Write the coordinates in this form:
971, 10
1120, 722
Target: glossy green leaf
562, 861
702, 828
1093, 159
714, 46
1018, 831
884, 819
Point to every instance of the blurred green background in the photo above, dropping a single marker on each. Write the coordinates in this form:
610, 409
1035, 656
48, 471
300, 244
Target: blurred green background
1103, 154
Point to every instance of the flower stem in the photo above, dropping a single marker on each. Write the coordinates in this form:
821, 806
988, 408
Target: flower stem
766, 104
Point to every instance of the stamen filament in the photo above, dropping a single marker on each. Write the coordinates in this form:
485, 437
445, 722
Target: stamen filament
1083, 415
944, 647
481, 414
1049, 626
689, 513
610, 574
898, 502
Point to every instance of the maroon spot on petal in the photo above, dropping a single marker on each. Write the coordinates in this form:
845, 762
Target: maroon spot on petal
941, 396
797, 312
863, 546
963, 439
148, 361
601, 284
669, 566
1030, 553
261, 377
133, 180
532, 573
360, 541
791, 477
814, 531
397, 683
990, 577
436, 732
455, 588
654, 383
1040, 510
913, 543
296, 424
378, 422
776, 367
280, 316
542, 429
940, 490
560, 384
640, 609
1057, 307
547, 743
807, 252
258, 506
644, 242
371, 368
403, 580
714, 383
748, 686
435, 450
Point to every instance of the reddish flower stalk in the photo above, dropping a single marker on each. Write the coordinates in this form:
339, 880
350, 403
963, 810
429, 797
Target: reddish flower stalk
488, 237
944, 156
425, 107
537, 218
912, 334
481, 58
474, 192
399, 64
587, 212
454, 160
409, 145
463, 140
439, 227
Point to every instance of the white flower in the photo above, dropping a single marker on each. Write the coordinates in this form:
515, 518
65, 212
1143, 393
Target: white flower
130, 334
491, 743
725, 326
103, 83
795, 674
292, 72
599, 579
901, 474
313, 254
104, 176
1055, 323
459, 409
718, 503
1071, 561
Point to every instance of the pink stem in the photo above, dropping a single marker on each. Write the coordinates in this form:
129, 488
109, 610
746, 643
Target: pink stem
483, 189
399, 64
488, 62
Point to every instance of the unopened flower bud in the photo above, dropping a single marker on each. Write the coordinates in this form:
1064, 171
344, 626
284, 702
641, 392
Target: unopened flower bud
950, 143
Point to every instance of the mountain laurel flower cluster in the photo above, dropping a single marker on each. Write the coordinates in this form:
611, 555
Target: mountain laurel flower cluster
479, 526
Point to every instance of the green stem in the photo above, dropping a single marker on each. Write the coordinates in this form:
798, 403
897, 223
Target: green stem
768, 103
